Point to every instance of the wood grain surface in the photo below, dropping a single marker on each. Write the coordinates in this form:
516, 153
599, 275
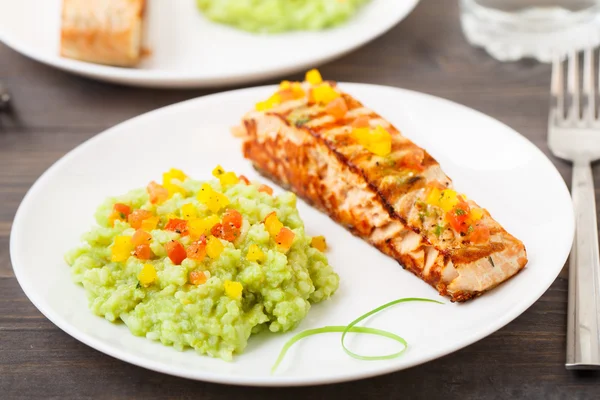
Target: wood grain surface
55, 111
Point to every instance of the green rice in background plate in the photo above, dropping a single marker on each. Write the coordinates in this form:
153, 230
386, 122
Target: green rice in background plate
271, 16
156, 298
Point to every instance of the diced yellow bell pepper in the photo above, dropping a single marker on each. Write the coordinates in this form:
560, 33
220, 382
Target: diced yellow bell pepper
361, 134
149, 223
226, 178
174, 173
285, 85
476, 214
233, 289
214, 247
324, 93
121, 249
173, 188
147, 275
319, 243
255, 253
448, 199
434, 196
188, 211
313, 77
297, 90
381, 134
218, 171
212, 199
200, 226
272, 224
168, 178
378, 140
269, 103
379, 148
229, 178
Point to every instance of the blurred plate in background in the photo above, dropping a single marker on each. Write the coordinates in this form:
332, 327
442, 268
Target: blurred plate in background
187, 50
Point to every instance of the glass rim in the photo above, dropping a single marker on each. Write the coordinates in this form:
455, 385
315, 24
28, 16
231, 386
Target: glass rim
508, 17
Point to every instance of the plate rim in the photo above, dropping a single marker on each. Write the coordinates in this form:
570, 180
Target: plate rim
268, 381
157, 78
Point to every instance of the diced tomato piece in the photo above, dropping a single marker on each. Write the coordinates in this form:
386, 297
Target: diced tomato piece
480, 234
457, 216
123, 209
140, 237
233, 217
286, 95
413, 159
337, 108
120, 212
137, 216
175, 251
143, 252
197, 277
197, 250
225, 231
361, 122
244, 179
285, 238
157, 193
266, 189
177, 225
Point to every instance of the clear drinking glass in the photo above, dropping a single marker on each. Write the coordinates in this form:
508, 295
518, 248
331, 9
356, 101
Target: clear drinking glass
541, 29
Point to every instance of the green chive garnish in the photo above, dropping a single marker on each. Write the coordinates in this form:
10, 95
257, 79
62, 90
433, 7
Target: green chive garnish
355, 329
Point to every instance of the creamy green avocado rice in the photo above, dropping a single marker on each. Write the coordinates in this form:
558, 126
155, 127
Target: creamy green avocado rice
272, 16
276, 291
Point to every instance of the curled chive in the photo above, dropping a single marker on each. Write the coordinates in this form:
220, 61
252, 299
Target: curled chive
351, 328
352, 324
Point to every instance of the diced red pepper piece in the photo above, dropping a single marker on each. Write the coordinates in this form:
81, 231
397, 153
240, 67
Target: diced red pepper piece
457, 217
226, 232
137, 216
177, 225
120, 212
175, 251
197, 278
157, 193
361, 122
233, 217
143, 252
244, 179
480, 234
286, 95
413, 159
141, 237
337, 108
285, 238
197, 250
123, 209
266, 189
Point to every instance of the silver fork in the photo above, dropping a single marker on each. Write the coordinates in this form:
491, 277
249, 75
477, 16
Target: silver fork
576, 137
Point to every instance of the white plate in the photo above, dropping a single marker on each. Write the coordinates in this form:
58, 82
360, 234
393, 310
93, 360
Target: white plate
489, 161
188, 50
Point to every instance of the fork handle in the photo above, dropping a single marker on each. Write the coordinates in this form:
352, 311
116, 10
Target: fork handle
583, 330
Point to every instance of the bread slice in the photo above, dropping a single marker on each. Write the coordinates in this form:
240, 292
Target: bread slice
102, 31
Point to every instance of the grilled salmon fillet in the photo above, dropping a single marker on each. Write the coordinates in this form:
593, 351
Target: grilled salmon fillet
333, 154
102, 31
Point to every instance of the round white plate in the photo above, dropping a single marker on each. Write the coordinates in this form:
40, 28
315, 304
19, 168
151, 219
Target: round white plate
188, 50
489, 161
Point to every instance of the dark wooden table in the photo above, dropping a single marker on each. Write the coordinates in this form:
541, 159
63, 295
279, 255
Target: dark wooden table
54, 112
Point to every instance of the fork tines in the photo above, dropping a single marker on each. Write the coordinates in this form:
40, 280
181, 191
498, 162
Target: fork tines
579, 97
